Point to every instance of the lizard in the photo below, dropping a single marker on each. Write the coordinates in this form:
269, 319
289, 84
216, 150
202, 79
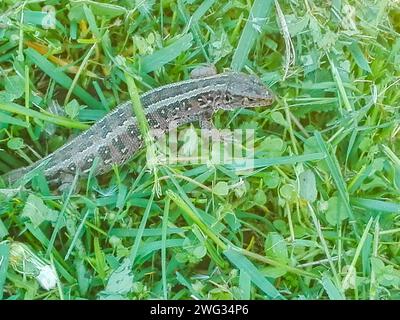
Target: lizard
116, 137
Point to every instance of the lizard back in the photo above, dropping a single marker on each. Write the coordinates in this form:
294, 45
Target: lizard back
116, 137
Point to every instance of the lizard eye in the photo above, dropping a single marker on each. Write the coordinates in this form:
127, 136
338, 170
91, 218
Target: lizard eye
72, 167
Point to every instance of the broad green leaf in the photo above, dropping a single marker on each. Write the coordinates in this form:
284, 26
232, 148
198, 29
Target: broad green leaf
275, 247
260, 197
273, 146
72, 109
121, 280
219, 46
336, 211
296, 25
15, 86
221, 188
386, 275
200, 251
278, 118
307, 186
35, 210
271, 179
15, 143
288, 192
359, 56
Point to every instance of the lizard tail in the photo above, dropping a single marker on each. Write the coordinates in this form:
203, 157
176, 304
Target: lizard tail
12, 176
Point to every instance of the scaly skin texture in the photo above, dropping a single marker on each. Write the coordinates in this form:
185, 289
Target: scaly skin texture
116, 137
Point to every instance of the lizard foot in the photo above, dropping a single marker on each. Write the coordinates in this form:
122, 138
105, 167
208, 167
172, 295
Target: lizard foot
67, 182
224, 136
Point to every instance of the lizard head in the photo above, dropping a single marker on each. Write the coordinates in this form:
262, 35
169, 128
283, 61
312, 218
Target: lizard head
246, 91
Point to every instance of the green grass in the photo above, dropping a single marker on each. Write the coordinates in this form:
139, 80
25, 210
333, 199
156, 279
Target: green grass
317, 218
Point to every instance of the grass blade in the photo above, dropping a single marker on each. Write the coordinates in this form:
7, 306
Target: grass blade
332, 291
244, 285
336, 174
359, 56
4, 254
287, 160
160, 58
163, 249
245, 265
377, 205
357, 254
52, 118
255, 22
76, 235
138, 239
6, 119
61, 78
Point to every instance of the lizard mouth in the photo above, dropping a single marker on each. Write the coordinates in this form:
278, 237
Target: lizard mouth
260, 100
268, 98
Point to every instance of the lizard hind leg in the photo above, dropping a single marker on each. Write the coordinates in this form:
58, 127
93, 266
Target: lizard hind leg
68, 181
209, 129
203, 71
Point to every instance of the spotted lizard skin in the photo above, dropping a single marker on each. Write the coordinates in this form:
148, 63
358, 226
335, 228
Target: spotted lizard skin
115, 138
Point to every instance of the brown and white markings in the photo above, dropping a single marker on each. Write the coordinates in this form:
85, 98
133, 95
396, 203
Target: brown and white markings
116, 137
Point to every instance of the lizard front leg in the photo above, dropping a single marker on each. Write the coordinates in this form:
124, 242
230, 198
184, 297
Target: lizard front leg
66, 180
216, 135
